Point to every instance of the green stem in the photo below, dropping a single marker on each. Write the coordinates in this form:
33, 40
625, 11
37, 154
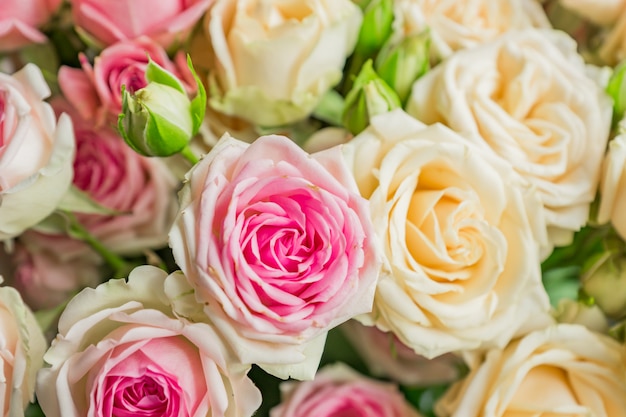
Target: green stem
189, 155
78, 230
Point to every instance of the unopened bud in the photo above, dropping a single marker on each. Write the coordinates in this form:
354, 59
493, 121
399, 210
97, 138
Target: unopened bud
605, 283
369, 96
160, 119
402, 63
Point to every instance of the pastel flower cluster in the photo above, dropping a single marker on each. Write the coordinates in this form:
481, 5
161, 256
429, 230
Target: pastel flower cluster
292, 208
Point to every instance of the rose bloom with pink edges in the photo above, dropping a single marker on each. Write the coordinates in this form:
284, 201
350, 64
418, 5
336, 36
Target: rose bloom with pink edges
339, 391
146, 203
20, 21
95, 90
122, 351
278, 246
105, 22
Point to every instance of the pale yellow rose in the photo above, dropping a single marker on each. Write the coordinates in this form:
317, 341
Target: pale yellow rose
563, 370
462, 24
459, 230
21, 353
274, 59
613, 186
527, 96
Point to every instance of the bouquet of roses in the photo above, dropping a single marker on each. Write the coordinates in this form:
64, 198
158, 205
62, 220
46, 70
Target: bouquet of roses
294, 208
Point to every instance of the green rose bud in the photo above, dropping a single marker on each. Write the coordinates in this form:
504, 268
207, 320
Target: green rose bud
160, 119
616, 88
605, 283
375, 29
400, 64
369, 96
376, 26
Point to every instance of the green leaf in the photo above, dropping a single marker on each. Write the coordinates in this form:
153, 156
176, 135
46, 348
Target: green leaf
77, 201
330, 108
562, 283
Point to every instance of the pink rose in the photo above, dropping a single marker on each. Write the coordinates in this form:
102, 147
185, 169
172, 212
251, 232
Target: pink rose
339, 391
36, 152
48, 269
20, 20
96, 90
278, 246
141, 189
386, 356
166, 21
121, 351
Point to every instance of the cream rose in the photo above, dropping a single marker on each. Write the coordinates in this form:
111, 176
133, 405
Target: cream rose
561, 370
273, 60
612, 191
21, 353
459, 229
528, 97
36, 152
462, 24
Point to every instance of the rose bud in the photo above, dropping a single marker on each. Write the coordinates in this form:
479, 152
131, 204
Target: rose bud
160, 119
401, 63
369, 96
605, 281
617, 90
376, 27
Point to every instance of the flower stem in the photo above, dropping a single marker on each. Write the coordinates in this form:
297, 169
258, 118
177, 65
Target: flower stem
189, 155
78, 231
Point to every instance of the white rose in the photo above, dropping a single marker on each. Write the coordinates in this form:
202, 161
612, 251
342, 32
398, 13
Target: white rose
36, 152
273, 60
462, 24
528, 97
22, 349
459, 229
564, 370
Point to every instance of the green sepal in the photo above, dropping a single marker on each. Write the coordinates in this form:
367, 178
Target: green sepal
157, 74
198, 104
160, 127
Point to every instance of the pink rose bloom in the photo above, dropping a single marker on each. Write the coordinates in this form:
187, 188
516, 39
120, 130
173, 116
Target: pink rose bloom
36, 152
141, 189
48, 269
20, 20
386, 356
121, 351
278, 246
96, 90
166, 21
338, 391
